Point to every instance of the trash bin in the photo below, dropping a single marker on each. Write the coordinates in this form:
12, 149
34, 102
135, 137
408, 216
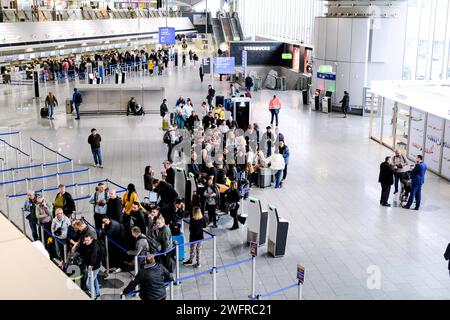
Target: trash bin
69, 106
326, 104
305, 97
317, 102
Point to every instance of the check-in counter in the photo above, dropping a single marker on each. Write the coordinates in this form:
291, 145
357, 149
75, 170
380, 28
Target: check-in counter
256, 222
113, 98
278, 231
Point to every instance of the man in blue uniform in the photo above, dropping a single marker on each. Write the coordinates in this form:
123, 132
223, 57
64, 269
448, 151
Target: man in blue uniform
418, 179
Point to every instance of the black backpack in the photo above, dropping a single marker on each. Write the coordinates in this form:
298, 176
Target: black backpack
155, 246
78, 98
166, 138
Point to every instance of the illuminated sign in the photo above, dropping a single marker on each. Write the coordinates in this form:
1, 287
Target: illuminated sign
286, 56
325, 69
257, 48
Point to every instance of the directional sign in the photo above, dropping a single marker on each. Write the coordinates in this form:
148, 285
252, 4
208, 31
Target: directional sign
326, 76
166, 36
206, 65
301, 273
253, 249
224, 65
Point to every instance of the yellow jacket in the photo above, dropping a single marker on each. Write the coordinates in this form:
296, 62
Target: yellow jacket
220, 112
127, 204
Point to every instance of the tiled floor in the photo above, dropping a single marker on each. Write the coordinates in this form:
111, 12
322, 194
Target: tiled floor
337, 229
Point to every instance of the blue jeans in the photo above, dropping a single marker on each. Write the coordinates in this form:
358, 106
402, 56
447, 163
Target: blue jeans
33, 226
97, 153
77, 109
416, 193
50, 111
274, 113
96, 285
278, 175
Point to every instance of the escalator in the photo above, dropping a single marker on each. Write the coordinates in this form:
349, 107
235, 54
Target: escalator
226, 27
218, 34
238, 26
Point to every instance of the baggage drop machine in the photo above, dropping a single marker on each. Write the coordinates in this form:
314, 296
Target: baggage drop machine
256, 222
241, 110
278, 230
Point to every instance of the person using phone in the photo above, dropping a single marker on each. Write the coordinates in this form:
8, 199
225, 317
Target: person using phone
99, 200
400, 166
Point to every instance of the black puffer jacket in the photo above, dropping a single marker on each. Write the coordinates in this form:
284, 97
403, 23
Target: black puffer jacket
151, 281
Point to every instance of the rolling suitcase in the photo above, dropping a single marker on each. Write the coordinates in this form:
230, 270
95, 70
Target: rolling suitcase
44, 112
264, 177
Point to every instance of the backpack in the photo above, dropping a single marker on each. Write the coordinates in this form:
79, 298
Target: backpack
154, 246
166, 138
78, 98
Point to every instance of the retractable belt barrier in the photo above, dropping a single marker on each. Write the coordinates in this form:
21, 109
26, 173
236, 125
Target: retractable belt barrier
272, 293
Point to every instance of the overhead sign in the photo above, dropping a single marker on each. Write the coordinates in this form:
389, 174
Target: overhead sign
325, 69
253, 249
256, 48
286, 56
166, 36
301, 273
326, 76
224, 65
206, 63
237, 38
244, 62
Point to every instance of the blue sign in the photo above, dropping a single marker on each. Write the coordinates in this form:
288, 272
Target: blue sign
224, 65
166, 36
326, 76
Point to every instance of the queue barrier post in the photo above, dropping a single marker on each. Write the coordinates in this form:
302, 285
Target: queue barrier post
43, 180
136, 265
171, 290
42, 234
252, 295
91, 276
27, 183
57, 164
13, 178
17, 158
65, 252
177, 266
23, 222
107, 253
58, 180
7, 208
214, 271
73, 174
300, 290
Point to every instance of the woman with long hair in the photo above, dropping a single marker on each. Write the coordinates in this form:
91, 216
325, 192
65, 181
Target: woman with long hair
233, 197
196, 225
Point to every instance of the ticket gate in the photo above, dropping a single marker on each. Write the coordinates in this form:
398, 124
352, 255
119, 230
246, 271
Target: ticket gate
278, 230
256, 222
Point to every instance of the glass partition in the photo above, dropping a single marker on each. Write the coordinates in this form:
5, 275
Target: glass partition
375, 117
389, 118
402, 127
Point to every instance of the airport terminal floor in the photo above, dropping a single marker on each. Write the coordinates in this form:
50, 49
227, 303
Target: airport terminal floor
338, 230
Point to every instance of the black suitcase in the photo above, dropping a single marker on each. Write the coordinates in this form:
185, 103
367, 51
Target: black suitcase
220, 100
44, 112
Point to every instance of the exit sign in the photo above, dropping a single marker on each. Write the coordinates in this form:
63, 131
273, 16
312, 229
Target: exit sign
286, 56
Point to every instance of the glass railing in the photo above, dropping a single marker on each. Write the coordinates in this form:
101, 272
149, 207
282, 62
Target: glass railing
44, 14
